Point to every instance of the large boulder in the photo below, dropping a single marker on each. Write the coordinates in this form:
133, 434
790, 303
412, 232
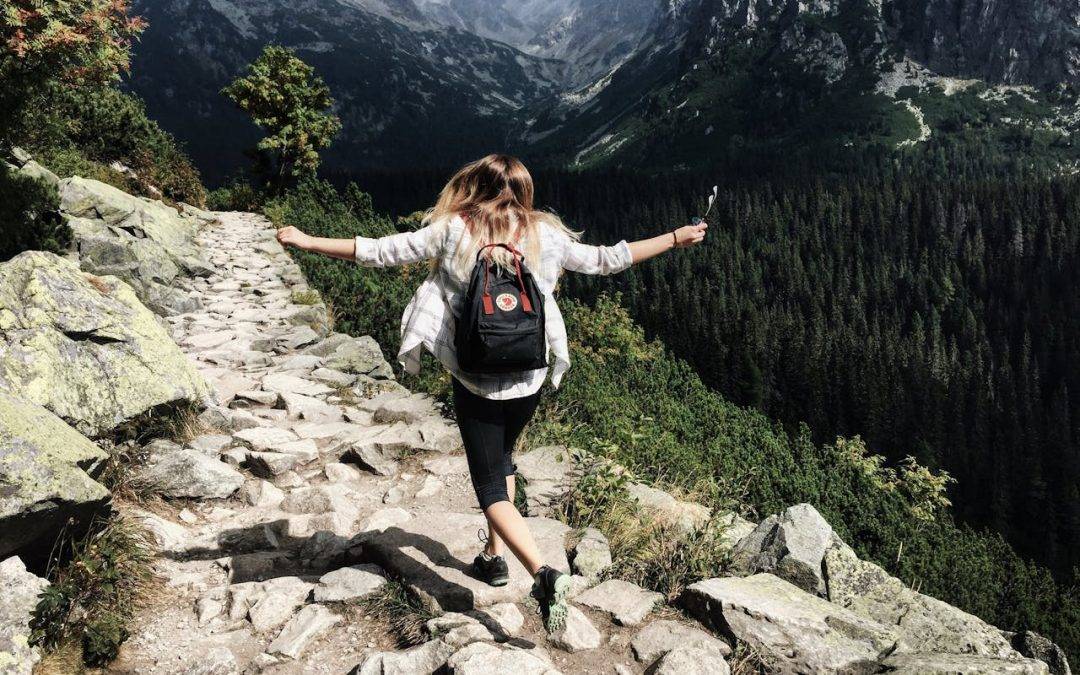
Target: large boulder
933, 625
127, 217
790, 545
84, 346
798, 631
47, 472
19, 591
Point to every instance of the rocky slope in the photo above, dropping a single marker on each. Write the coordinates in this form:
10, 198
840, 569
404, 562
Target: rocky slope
313, 482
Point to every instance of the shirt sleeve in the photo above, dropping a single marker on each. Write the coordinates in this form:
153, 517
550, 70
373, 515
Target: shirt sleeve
578, 257
401, 249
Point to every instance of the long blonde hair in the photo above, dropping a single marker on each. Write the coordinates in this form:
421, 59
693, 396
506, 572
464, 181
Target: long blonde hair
492, 195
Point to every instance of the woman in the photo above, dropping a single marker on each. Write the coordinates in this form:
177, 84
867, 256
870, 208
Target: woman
491, 201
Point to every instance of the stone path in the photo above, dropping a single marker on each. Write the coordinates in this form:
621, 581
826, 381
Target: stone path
314, 478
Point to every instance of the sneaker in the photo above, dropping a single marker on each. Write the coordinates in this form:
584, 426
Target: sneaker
492, 570
549, 589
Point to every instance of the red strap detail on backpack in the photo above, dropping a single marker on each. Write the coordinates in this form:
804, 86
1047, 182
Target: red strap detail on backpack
525, 303
489, 306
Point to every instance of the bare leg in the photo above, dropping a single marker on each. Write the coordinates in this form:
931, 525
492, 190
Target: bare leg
505, 520
495, 544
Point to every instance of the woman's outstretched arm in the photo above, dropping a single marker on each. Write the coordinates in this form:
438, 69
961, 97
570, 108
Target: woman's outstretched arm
335, 248
683, 237
394, 249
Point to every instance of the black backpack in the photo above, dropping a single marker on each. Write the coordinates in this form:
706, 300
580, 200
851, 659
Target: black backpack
501, 327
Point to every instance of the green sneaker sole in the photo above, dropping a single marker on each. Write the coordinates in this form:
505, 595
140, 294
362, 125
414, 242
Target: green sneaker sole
556, 605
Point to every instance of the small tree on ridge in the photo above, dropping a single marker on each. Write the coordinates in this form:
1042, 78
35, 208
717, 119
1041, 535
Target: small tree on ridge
290, 103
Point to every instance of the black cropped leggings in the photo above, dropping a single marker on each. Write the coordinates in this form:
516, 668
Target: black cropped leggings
489, 430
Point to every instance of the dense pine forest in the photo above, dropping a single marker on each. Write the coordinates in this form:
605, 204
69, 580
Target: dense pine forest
933, 312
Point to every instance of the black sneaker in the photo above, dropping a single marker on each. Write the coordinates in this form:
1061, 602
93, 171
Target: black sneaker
491, 570
550, 590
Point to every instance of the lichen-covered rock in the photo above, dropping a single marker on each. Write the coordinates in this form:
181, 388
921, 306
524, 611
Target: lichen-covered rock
19, 590
359, 356
47, 472
798, 631
135, 217
592, 554
84, 347
933, 625
959, 664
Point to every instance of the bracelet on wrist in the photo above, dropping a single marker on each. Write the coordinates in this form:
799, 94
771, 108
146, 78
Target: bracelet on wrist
674, 239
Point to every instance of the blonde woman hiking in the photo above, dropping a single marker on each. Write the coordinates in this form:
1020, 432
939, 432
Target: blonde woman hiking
488, 314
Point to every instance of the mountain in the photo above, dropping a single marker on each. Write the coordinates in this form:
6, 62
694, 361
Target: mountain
591, 36
660, 83
407, 90
721, 77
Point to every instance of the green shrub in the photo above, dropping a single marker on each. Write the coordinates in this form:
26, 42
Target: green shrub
104, 125
96, 584
29, 216
237, 195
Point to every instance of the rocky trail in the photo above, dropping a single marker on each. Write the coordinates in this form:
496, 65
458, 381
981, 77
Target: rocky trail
310, 503
333, 478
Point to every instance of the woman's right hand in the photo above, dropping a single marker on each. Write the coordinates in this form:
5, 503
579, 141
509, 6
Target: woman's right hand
689, 235
290, 236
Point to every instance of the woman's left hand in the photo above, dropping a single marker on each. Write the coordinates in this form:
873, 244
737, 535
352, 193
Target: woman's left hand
291, 236
690, 235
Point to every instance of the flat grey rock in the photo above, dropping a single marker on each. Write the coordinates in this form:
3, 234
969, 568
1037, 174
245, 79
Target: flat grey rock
627, 604
660, 637
189, 473
797, 630
301, 630
349, 583
548, 472
482, 658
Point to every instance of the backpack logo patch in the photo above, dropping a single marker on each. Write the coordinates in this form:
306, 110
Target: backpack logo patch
507, 302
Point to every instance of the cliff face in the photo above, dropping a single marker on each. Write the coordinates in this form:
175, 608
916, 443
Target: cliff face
1009, 41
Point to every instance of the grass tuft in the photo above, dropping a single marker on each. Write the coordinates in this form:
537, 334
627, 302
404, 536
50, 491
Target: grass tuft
97, 583
403, 613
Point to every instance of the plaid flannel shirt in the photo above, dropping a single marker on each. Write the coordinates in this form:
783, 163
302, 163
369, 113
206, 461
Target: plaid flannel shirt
429, 320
